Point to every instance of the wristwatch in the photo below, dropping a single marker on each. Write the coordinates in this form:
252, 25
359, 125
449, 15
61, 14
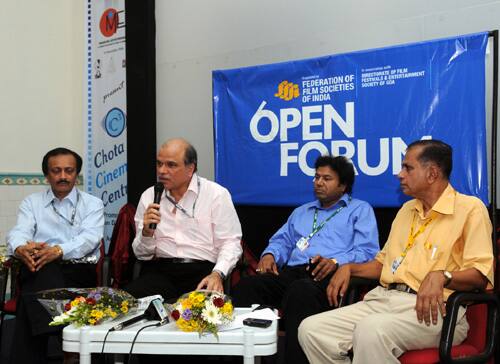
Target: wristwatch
59, 251
222, 275
448, 277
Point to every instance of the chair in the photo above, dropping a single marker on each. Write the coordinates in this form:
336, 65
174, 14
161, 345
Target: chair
102, 268
357, 289
482, 314
11, 267
479, 346
246, 266
7, 307
122, 257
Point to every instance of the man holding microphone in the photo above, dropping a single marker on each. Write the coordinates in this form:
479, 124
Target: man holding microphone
191, 238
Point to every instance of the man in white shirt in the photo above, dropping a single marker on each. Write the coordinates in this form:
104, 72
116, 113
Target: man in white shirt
197, 238
56, 237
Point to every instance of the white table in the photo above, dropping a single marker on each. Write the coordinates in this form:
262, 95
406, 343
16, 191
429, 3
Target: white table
248, 342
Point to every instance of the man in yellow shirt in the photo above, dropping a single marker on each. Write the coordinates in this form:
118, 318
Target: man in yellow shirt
439, 242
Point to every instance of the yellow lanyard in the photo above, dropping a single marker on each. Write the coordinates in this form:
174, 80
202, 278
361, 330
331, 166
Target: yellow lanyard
412, 236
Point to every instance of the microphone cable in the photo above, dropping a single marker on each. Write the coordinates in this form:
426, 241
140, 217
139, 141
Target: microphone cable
104, 341
158, 324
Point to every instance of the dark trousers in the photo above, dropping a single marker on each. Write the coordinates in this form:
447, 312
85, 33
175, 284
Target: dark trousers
32, 320
170, 280
294, 292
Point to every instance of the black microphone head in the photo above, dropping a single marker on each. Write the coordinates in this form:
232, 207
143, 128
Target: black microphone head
158, 191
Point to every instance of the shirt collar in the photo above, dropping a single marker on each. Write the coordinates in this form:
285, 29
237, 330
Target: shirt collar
193, 185
49, 197
343, 201
444, 205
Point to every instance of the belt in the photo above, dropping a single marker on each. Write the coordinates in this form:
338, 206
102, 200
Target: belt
180, 260
85, 260
401, 287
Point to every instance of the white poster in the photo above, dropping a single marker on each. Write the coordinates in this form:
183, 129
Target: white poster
105, 173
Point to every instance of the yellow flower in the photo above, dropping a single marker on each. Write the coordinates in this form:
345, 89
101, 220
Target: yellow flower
186, 304
227, 309
197, 298
98, 314
188, 326
92, 321
205, 315
77, 301
124, 309
109, 312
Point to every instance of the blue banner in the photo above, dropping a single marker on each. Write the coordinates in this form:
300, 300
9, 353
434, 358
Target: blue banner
272, 121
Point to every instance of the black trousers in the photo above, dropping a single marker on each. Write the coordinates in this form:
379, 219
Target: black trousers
170, 280
292, 291
32, 328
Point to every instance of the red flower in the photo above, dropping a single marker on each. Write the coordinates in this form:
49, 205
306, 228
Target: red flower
218, 302
67, 306
90, 301
176, 314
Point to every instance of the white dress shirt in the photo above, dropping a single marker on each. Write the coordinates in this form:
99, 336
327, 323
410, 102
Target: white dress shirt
44, 218
209, 228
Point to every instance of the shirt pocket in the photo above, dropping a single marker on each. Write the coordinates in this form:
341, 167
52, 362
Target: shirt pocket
198, 230
425, 257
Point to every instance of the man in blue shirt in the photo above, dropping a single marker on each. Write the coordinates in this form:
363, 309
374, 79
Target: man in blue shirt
56, 238
301, 258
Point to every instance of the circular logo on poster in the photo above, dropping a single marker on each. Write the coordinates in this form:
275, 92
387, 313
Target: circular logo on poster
114, 122
109, 22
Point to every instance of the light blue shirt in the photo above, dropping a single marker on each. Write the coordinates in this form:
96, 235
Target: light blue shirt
351, 236
39, 220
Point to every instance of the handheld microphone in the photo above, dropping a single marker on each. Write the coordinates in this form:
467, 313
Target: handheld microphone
158, 191
154, 312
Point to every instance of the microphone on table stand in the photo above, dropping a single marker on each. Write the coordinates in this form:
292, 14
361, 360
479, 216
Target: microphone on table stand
154, 312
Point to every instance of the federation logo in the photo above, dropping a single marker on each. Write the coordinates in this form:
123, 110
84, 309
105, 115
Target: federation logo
110, 22
114, 122
287, 91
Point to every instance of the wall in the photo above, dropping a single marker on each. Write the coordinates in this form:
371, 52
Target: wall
42, 62
196, 37
40, 93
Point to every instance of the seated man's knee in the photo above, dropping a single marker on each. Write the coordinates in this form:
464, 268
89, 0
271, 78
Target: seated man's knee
306, 328
369, 330
247, 291
301, 287
302, 296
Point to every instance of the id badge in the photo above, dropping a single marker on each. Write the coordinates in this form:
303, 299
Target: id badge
302, 244
395, 264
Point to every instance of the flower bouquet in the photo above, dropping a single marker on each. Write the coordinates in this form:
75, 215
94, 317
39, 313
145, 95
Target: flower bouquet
85, 306
202, 311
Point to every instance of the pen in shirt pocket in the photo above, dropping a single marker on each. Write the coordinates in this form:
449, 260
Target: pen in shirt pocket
433, 251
